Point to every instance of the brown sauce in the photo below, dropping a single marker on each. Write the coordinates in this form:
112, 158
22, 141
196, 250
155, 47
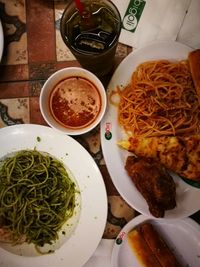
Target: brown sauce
75, 102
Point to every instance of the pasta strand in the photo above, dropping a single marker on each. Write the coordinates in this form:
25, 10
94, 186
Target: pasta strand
37, 197
159, 100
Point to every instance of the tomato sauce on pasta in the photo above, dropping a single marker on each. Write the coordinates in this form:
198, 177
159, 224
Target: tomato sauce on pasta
159, 100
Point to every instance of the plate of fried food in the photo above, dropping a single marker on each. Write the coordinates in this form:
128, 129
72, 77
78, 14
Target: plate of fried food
50, 204
152, 242
150, 133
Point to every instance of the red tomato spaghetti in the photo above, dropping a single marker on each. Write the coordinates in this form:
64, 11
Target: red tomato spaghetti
159, 100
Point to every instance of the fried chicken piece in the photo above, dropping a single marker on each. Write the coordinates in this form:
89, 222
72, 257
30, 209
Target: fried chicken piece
180, 154
154, 183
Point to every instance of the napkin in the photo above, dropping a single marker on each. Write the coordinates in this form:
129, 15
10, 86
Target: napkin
190, 31
102, 255
145, 21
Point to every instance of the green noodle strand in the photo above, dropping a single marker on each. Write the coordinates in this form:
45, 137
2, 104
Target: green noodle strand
37, 197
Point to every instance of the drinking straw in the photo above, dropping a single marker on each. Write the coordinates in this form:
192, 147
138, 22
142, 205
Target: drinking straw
80, 6
85, 14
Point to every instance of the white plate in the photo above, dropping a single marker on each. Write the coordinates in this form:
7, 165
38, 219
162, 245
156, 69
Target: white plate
182, 236
1, 40
89, 230
115, 157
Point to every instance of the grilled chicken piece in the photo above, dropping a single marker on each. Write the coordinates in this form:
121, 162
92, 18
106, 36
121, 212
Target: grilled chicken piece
154, 183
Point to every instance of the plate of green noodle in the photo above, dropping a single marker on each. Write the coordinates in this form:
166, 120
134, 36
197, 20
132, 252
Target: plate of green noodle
53, 202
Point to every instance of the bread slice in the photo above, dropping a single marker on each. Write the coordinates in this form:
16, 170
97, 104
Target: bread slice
194, 63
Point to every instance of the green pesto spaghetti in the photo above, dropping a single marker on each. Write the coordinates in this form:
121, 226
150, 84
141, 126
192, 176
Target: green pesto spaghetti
37, 197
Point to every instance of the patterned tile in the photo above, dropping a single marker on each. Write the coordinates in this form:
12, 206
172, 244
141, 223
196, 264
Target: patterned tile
41, 32
35, 88
35, 114
121, 51
110, 188
39, 71
14, 111
14, 73
62, 51
17, 53
14, 90
119, 214
13, 16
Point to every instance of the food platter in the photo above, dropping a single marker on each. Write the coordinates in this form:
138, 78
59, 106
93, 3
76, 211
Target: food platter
111, 133
179, 235
86, 235
1, 40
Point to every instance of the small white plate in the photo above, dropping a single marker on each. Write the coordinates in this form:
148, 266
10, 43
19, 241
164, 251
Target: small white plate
82, 243
1, 40
182, 236
115, 157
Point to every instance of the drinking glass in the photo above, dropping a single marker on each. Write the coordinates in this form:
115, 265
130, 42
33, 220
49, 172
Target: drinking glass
92, 33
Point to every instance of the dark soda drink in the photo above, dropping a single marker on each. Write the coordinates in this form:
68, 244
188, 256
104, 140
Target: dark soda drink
92, 35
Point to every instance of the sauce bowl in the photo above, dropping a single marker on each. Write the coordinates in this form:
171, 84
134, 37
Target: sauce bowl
73, 101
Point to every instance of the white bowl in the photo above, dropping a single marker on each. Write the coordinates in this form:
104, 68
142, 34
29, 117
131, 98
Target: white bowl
54, 83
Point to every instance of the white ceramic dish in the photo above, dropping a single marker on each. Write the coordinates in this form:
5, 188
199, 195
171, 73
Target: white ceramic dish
1, 40
187, 196
182, 236
93, 214
50, 84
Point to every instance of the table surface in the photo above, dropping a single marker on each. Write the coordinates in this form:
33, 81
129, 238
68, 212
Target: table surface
33, 50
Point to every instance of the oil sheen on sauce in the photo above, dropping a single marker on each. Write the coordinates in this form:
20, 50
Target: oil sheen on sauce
75, 102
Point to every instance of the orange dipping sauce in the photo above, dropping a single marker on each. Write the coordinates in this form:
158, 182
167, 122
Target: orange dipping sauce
75, 102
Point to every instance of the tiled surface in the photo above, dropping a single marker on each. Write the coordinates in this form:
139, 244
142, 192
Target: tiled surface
33, 51
13, 15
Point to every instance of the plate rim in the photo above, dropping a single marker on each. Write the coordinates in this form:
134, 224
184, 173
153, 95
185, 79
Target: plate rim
104, 142
60, 255
1, 40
